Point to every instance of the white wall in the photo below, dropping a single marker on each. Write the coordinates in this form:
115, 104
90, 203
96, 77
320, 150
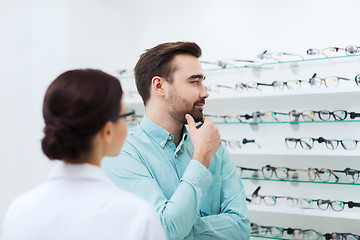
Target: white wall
39, 39
112, 34
223, 29
101, 34
33, 51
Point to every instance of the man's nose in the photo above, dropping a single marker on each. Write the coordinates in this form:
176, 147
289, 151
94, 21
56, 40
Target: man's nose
204, 93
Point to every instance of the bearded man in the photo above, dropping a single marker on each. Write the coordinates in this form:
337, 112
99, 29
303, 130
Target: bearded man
185, 173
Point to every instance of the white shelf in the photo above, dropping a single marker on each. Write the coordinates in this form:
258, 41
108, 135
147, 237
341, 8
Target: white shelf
353, 214
260, 152
284, 93
232, 95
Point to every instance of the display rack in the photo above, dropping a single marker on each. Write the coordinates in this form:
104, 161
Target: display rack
300, 181
285, 152
350, 215
271, 135
265, 237
264, 64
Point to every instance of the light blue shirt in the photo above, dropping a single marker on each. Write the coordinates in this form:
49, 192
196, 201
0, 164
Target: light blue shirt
193, 202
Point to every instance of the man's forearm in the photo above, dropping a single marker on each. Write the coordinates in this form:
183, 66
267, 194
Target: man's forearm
222, 226
179, 213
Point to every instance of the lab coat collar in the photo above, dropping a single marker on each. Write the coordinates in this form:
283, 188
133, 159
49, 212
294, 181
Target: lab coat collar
88, 171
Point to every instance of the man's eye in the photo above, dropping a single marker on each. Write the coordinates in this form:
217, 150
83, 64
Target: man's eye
195, 82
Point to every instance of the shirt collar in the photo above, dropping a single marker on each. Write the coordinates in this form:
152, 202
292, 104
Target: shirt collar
159, 134
63, 170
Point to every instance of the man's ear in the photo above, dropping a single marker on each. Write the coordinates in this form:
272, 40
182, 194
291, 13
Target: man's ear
158, 85
107, 132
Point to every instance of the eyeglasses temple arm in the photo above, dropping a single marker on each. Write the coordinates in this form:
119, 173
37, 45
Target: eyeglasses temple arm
337, 178
250, 169
219, 63
280, 113
354, 115
132, 112
256, 191
224, 86
240, 60
210, 115
292, 54
352, 204
327, 236
207, 62
296, 169
264, 84
246, 116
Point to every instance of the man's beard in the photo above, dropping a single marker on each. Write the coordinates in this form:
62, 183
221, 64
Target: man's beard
178, 112
197, 113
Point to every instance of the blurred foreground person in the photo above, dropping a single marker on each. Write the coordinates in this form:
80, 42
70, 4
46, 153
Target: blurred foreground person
84, 117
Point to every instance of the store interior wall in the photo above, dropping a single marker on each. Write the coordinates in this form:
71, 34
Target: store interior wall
39, 39
33, 50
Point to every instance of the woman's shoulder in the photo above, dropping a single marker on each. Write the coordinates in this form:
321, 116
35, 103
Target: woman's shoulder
121, 196
30, 196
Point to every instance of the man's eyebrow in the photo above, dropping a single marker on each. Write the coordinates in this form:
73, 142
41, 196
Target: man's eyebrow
196, 76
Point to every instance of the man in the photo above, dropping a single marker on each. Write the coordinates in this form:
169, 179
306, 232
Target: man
187, 175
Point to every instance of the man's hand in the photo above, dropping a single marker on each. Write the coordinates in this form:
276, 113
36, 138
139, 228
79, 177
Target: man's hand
205, 139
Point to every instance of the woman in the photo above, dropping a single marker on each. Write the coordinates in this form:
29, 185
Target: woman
84, 117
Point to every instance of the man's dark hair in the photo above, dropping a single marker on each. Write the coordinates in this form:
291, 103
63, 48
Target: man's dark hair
157, 62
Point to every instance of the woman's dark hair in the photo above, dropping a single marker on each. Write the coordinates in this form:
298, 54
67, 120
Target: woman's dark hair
77, 104
157, 62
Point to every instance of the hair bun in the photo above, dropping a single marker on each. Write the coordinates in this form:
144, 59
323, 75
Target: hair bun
77, 105
60, 142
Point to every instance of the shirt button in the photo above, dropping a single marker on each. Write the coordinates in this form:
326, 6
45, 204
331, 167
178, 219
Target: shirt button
169, 137
162, 143
175, 155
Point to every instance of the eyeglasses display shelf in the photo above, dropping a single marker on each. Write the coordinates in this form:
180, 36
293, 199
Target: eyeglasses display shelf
314, 153
298, 181
353, 214
253, 236
312, 83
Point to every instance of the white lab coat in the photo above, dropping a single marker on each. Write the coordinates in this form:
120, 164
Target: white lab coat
78, 202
